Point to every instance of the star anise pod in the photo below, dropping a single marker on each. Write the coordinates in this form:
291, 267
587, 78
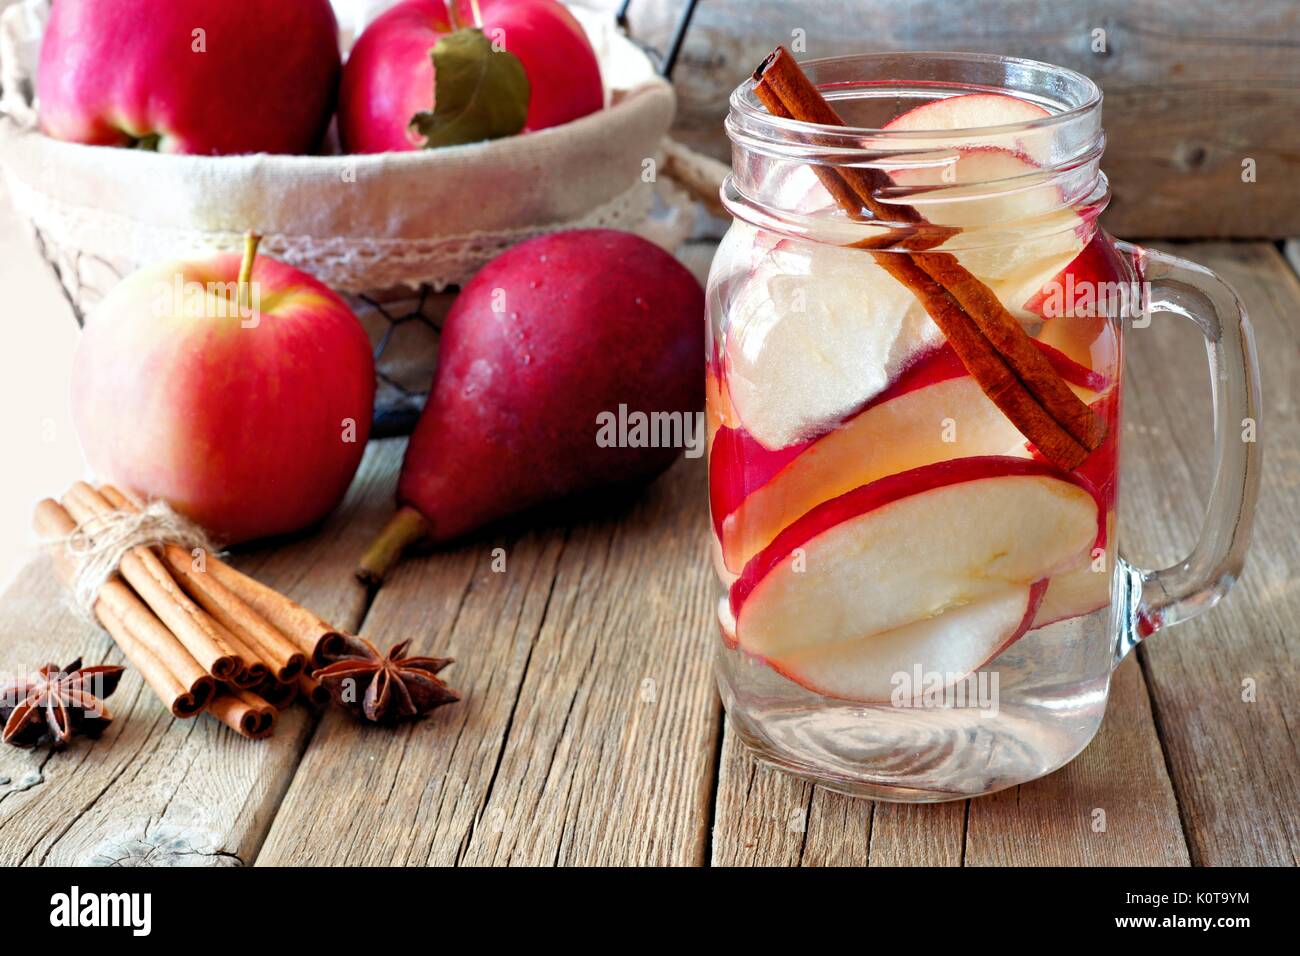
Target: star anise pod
382, 688
57, 702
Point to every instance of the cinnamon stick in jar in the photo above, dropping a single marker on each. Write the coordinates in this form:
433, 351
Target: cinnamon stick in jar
990, 342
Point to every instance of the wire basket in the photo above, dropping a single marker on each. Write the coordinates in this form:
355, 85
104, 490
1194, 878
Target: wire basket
393, 233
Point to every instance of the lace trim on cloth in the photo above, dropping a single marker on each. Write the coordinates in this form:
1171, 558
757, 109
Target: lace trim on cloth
345, 263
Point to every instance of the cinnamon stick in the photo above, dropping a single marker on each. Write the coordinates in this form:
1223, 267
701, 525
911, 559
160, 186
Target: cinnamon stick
166, 666
267, 644
1010, 339
252, 671
203, 637
996, 350
276, 694
312, 691
313, 636
309, 633
184, 702
243, 712
986, 366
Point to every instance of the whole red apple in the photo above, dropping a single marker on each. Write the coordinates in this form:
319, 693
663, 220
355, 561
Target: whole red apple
390, 78
542, 350
190, 76
244, 403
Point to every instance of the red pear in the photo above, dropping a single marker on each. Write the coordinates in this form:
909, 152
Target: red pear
549, 345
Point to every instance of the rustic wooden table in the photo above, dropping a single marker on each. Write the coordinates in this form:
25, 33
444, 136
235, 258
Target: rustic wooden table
590, 731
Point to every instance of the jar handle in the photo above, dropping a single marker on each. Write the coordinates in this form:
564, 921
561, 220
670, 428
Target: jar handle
1157, 599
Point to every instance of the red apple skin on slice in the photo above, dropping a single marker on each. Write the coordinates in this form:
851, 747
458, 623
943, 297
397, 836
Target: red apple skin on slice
910, 546
1075, 325
1073, 594
756, 492
955, 644
969, 112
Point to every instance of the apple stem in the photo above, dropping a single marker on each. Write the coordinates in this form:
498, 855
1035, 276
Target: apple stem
251, 241
454, 15
405, 528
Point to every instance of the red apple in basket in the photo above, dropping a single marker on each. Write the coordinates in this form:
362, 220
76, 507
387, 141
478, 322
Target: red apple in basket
239, 391
545, 350
190, 76
442, 72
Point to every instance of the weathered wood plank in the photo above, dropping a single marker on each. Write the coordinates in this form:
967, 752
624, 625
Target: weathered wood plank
763, 817
589, 722
1111, 806
1235, 763
155, 790
919, 834
1194, 88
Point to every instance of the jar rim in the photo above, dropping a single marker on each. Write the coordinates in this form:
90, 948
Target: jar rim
1088, 95
1027, 175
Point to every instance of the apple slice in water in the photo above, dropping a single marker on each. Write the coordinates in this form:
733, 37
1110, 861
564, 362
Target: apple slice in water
995, 182
815, 333
911, 546
1086, 588
934, 411
1035, 235
954, 644
1073, 594
970, 113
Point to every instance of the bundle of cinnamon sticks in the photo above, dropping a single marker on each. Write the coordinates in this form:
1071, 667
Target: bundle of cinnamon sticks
988, 340
204, 636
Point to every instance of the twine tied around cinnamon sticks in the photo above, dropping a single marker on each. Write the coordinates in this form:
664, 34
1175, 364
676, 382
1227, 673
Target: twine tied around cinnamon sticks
99, 546
203, 635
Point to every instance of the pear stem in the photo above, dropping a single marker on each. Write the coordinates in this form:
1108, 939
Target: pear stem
453, 16
251, 241
405, 528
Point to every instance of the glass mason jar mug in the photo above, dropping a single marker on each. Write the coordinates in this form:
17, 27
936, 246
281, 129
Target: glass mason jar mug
915, 374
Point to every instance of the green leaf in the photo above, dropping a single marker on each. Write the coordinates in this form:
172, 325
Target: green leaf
479, 93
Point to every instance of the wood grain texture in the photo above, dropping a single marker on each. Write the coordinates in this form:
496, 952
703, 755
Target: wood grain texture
766, 818
155, 791
919, 834
1235, 761
588, 726
1193, 87
1111, 806
589, 732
